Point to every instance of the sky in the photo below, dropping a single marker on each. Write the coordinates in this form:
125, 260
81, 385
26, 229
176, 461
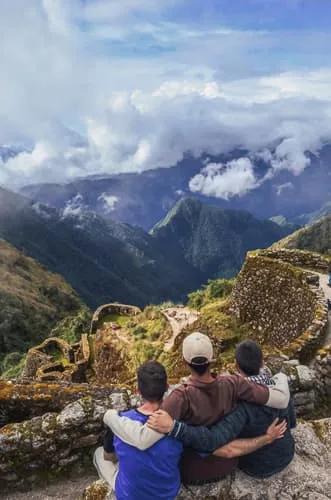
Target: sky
108, 86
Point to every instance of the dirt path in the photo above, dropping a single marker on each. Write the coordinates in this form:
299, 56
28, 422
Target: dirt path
179, 318
69, 489
324, 279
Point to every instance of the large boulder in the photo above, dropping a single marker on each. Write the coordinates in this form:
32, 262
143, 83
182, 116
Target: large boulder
52, 444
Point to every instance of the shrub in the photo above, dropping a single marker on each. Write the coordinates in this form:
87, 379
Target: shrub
72, 327
154, 336
215, 289
139, 330
12, 365
196, 299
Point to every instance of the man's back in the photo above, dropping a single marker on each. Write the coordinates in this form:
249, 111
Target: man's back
200, 403
274, 457
150, 474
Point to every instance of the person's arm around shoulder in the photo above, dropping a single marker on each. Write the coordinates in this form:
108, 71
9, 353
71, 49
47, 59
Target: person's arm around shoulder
201, 438
276, 396
141, 436
130, 431
241, 447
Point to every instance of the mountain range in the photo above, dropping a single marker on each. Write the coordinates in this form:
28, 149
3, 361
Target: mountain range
107, 261
102, 260
144, 198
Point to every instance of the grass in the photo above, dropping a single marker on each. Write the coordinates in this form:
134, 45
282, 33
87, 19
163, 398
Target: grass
120, 319
14, 371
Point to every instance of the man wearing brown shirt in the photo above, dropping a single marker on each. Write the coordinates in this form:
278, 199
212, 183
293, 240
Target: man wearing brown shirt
202, 400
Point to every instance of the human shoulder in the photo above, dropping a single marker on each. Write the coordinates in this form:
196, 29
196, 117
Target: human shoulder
244, 389
177, 402
229, 379
129, 413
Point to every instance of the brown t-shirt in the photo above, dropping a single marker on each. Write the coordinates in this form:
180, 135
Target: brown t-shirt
204, 403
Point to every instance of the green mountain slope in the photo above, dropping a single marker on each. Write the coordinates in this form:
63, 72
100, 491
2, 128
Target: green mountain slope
104, 261
316, 237
212, 240
32, 300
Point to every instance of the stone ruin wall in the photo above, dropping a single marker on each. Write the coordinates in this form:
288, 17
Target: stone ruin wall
299, 258
64, 429
22, 400
74, 359
276, 300
302, 383
114, 308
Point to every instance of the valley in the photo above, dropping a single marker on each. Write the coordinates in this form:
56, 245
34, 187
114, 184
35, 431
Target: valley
106, 261
144, 198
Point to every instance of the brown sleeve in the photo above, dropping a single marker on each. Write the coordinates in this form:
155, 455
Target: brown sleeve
250, 391
176, 404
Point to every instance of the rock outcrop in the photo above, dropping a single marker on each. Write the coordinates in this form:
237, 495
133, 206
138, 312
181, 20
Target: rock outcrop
306, 478
303, 382
20, 401
52, 424
322, 367
46, 446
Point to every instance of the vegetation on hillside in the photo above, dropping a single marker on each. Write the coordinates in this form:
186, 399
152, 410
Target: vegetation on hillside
216, 289
316, 237
73, 326
224, 330
143, 337
32, 301
103, 261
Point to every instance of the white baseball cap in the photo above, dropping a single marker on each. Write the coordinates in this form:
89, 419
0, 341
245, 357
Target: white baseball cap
197, 345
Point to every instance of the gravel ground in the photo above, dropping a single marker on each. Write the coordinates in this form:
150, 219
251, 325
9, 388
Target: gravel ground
68, 489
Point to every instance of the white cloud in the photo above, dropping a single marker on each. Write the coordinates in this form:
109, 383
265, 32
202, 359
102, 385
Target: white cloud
280, 188
75, 206
144, 130
109, 201
141, 90
234, 178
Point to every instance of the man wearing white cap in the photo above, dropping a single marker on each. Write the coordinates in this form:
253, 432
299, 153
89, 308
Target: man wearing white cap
202, 400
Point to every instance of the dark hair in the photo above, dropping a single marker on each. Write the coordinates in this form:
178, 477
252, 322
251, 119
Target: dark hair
249, 357
199, 365
152, 381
